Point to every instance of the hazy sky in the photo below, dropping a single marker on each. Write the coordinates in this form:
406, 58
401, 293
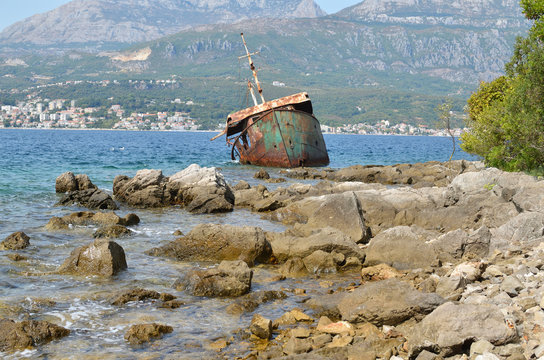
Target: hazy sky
12, 11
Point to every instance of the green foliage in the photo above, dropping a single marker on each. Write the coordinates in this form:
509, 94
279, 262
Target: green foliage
506, 116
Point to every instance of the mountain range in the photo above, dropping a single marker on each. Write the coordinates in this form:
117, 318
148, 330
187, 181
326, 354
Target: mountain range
131, 21
416, 50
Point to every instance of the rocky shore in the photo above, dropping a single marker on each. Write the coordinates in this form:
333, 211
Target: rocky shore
430, 261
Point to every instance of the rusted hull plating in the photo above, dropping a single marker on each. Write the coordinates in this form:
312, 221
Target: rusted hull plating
281, 138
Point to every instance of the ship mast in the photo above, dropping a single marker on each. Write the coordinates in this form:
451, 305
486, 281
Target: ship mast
252, 67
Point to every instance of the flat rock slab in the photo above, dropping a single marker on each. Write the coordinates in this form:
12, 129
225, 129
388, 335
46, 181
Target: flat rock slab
387, 302
210, 242
450, 326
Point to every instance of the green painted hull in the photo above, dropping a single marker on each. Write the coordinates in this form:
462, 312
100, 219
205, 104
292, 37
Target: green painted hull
284, 138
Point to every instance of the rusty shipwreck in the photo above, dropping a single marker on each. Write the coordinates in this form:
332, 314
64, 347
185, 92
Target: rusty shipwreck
280, 133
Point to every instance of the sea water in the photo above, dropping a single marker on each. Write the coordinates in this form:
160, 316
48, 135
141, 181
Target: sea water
30, 161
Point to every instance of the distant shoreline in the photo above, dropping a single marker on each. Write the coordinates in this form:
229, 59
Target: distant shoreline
203, 131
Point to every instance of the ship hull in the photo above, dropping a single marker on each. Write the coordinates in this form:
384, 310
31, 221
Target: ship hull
282, 138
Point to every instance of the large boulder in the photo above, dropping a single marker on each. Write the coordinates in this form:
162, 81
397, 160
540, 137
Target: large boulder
289, 245
525, 229
402, 247
338, 211
145, 189
28, 334
90, 198
200, 190
387, 302
102, 258
16, 241
69, 182
451, 327
210, 242
229, 279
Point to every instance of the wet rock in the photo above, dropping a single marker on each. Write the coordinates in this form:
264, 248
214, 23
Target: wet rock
229, 279
200, 190
16, 241
320, 262
294, 267
387, 302
261, 174
251, 301
16, 257
142, 333
89, 198
450, 326
286, 246
69, 182
379, 272
401, 247
28, 334
145, 189
56, 224
261, 327
112, 231
209, 242
111, 218
66, 182
102, 257
136, 294
275, 180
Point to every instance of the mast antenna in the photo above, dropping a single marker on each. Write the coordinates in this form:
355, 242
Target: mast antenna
252, 67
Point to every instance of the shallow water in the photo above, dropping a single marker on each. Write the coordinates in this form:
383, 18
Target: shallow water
30, 162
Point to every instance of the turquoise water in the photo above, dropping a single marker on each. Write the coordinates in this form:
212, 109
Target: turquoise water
31, 160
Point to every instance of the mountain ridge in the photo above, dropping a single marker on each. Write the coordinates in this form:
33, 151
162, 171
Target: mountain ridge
131, 21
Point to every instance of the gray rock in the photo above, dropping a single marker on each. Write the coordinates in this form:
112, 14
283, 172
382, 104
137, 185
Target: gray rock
480, 347
200, 190
89, 198
295, 346
229, 279
320, 262
286, 246
102, 257
526, 228
402, 247
210, 242
338, 211
387, 302
293, 268
448, 327
242, 185
16, 241
511, 285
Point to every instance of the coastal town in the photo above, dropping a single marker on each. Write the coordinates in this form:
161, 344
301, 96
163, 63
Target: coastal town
65, 114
